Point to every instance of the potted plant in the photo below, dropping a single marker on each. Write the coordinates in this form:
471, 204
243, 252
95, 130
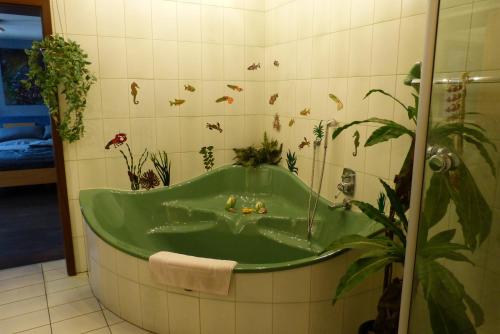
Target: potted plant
446, 298
59, 66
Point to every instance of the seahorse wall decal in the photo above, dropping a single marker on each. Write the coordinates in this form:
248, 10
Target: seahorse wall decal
133, 91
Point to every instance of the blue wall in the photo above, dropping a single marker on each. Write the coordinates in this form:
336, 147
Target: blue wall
14, 113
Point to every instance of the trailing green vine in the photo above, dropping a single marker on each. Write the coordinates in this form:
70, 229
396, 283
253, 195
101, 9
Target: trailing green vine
60, 66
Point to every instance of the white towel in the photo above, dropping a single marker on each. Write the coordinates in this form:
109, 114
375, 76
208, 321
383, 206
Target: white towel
192, 273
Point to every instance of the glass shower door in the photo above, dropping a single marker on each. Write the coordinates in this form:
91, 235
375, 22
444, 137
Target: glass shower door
456, 285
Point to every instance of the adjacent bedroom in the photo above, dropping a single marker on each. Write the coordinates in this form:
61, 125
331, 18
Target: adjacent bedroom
30, 229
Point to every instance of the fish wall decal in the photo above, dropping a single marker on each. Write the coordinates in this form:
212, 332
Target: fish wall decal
177, 102
273, 98
276, 63
335, 99
189, 88
305, 112
225, 98
118, 140
214, 126
253, 67
304, 143
235, 88
134, 91
291, 122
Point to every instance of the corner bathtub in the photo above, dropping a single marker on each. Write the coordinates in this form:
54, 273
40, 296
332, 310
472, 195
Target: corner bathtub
282, 284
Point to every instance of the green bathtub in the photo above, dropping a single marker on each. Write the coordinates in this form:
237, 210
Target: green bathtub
190, 218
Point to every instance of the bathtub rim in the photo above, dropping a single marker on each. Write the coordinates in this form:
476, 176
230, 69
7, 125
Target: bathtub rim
141, 253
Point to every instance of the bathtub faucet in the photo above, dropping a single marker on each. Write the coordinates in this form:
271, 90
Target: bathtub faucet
345, 204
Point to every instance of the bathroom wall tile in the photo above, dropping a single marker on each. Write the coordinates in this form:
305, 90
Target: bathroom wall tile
386, 10
254, 318
110, 290
305, 19
234, 3
143, 134
339, 54
138, 18
320, 56
325, 317
254, 28
164, 20
357, 309
80, 17
304, 58
292, 286
322, 16
254, 97
191, 138
290, 318
116, 173
235, 136
234, 67
414, 7
92, 173
139, 58
166, 64
320, 101
112, 57
486, 57
193, 104
255, 4
234, 26
192, 164
168, 134
217, 317
154, 309
411, 42
358, 106
374, 165
360, 55
212, 90
107, 256
145, 99
189, 60
213, 62
110, 17
90, 146
130, 306
324, 278
362, 12
254, 287
214, 137
212, 24
114, 95
380, 105
385, 48
184, 314
93, 110
166, 91
341, 15
189, 22
57, 9
126, 266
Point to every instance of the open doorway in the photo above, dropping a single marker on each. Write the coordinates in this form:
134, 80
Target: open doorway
34, 217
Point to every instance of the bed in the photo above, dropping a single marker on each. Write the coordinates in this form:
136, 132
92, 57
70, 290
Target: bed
26, 155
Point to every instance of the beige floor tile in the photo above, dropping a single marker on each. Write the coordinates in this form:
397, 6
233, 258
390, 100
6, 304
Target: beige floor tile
51, 265
126, 328
22, 293
24, 322
51, 275
19, 282
20, 271
71, 310
81, 324
69, 296
22, 307
39, 330
66, 283
111, 318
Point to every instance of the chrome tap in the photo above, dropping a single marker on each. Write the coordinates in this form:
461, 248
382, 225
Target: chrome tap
347, 186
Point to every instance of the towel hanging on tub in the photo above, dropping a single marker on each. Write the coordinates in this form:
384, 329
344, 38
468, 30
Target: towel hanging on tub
192, 273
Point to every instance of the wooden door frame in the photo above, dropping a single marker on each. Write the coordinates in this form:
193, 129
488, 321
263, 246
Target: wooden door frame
62, 191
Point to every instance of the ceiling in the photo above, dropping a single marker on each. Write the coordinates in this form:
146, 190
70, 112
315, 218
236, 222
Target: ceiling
20, 27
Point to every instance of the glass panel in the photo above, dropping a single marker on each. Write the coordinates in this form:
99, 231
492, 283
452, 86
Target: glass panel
460, 209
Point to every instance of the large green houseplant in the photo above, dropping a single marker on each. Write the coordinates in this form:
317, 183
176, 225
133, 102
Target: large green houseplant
447, 301
60, 67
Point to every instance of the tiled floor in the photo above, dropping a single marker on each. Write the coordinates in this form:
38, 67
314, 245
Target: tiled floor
42, 299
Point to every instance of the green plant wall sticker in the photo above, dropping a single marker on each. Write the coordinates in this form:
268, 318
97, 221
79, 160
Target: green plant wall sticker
208, 157
163, 166
319, 132
291, 162
134, 170
451, 309
268, 153
59, 67
149, 180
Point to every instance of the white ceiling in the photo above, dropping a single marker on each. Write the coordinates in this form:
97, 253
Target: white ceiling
20, 27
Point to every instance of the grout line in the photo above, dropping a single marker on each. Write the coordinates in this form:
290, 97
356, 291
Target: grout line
46, 300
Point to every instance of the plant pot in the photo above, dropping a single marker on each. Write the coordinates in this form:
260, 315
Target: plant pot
367, 327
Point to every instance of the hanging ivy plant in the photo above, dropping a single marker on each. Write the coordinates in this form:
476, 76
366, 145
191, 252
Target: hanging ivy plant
60, 66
